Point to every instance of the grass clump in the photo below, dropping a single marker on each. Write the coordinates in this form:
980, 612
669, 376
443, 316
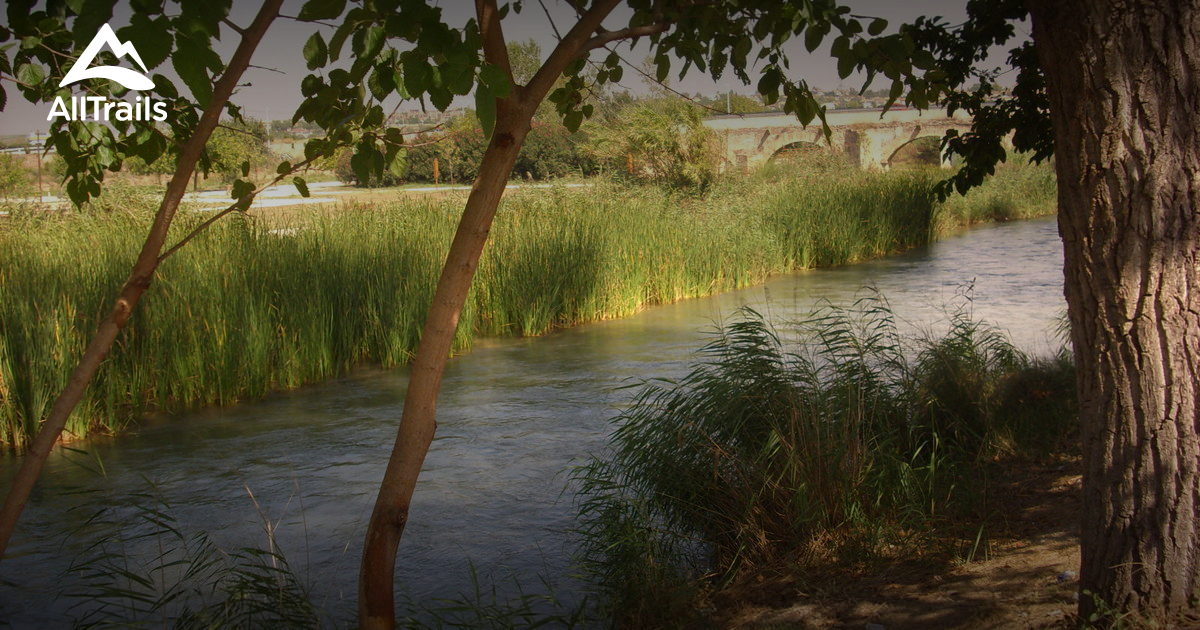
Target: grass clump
1019, 190
142, 570
846, 447
253, 306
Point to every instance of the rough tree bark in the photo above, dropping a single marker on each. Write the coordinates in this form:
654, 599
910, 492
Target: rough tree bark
418, 422
140, 277
1124, 84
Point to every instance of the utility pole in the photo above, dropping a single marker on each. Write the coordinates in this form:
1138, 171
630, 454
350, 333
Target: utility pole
37, 140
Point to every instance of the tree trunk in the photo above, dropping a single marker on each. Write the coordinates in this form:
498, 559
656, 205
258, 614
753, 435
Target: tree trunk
1124, 86
140, 277
418, 422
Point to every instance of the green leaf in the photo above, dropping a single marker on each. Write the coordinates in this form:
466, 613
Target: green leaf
877, 26
485, 108
301, 186
91, 16
572, 120
322, 9
398, 165
768, 83
814, 35
339, 38
314, 148
316, 54
845, 66
372, 42
152, 38
245, 168
283, 167
360, 164
496, 80
440, 98
190, 61
30, 74
381, 82
241, 188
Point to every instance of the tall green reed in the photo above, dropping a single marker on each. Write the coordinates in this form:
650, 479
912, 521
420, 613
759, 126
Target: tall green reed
839, 445
254, 306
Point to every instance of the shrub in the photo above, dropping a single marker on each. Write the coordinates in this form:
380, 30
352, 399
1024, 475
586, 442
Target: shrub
847, 442
14, 177
665, 139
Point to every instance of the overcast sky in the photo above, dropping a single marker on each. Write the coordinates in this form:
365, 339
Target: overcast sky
271, 95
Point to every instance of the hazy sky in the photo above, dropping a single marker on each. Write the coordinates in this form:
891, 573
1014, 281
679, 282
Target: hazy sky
271, 95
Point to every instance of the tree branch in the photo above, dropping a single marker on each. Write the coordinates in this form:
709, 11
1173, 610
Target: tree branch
567, 50
237, 29
495, 50
240, 203
550, 19
603, 37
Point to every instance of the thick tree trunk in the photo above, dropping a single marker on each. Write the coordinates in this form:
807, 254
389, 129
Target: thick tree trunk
1124, 85
139, 279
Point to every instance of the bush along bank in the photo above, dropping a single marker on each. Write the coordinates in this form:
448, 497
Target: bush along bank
246, 309
851, 445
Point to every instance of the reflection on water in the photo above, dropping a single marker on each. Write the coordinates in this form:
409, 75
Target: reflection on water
515, 415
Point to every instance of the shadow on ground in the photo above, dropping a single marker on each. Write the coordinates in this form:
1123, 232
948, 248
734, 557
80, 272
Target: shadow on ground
1027, 580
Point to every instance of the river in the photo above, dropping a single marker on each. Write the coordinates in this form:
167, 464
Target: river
515, 415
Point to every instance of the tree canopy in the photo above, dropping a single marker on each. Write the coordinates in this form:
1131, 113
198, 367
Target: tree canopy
404, 48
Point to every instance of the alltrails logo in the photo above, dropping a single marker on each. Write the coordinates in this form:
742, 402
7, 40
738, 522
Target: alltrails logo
99, 108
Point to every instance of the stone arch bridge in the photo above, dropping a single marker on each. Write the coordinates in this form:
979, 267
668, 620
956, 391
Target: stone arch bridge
870, 138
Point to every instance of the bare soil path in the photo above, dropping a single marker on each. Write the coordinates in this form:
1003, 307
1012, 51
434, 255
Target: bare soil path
1027, 580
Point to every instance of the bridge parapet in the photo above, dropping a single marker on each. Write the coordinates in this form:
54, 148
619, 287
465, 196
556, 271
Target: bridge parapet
868, 137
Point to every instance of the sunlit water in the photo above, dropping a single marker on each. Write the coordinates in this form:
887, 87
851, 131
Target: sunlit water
515, 416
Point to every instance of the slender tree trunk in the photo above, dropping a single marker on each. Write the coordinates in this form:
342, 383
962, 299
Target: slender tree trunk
418, 422
135, 286
1124, 85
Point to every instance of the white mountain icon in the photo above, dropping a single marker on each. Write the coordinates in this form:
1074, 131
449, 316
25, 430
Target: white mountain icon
126, 77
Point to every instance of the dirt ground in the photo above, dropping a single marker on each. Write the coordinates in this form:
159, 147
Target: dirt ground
1028, 579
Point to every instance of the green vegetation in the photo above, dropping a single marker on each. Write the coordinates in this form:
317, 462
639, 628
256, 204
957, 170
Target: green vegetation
249, 307
183, 580
664, 140
1019, 191
550, 151
14, 177
850, 445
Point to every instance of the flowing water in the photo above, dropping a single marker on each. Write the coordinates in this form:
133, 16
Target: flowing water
515, 415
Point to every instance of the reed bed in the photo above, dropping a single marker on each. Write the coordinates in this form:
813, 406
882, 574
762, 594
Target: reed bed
844, 444
251, 307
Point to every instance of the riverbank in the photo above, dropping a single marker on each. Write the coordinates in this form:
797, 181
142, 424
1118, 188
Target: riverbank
252, 307
1026, 579
833, 476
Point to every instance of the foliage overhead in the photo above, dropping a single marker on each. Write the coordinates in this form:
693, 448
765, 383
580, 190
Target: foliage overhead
387, 48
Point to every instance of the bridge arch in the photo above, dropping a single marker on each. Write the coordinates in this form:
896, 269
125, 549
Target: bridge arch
797, 149
868, 138
920, 151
